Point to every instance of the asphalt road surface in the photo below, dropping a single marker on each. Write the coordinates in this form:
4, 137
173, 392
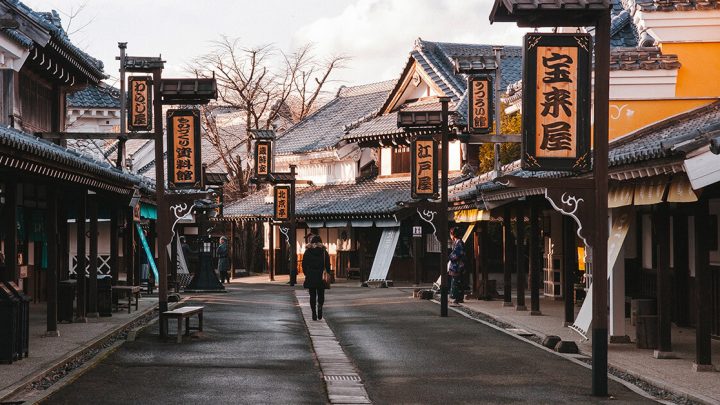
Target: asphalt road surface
256, 350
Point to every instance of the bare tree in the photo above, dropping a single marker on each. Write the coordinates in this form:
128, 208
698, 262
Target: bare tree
264, 85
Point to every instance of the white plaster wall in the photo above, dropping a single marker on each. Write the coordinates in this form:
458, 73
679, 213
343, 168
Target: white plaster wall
329, 173
386, 161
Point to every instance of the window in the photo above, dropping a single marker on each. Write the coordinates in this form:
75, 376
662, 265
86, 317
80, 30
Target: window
401, 159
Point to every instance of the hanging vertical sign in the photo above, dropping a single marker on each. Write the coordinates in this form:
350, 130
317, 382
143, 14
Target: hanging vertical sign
184, 151
424, 180
556, 102
480, 116
263, 156
139, 103
282, 202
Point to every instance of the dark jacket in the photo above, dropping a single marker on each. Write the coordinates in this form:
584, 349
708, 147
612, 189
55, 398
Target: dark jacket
314, 262
222, 255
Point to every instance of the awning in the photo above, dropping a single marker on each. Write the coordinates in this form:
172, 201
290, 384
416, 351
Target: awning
336, 224
621, 195
148, 211
387, 223
650, 193
471, 216
703, 170
361, 223
315, 224
681, 190
384, 254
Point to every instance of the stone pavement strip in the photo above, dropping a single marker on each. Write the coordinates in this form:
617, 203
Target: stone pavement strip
342, 380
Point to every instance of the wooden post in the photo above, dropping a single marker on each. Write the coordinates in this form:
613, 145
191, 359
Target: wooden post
293, 231
661, 224
443, 211
92, 269
520, 257
417, 254
163, 212
80, 254
114, 262
52, 268
477, 250
483, 260
11, 266
534, 260
569, 266
703, 288
681, 268
507, 261
271, 251
129, 246
232, 249
63, 239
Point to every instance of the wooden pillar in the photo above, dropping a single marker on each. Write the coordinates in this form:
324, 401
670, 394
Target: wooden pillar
520, 262
569, 267
477, 251
483, 260
52, 265
507, 261
681, 269
114, 262
417, 254
661, 225
11, 266
129, 247
271, 251
63, 238
81, 210
534, 260
232, 249
93, 264
703, 288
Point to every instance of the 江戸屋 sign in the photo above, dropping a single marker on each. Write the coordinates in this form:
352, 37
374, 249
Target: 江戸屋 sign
140, 103
282, 202
184, 153
556, 102
424, 179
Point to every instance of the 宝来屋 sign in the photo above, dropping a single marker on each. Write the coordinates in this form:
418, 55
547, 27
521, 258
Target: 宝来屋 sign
184, 151
424, 165
480, 104
140, 103
282, 202
556, 102
263, 156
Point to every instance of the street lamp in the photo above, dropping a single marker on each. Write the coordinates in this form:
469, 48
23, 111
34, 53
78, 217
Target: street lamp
424, 188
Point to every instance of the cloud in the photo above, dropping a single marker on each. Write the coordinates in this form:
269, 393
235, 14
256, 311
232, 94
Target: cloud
379, 34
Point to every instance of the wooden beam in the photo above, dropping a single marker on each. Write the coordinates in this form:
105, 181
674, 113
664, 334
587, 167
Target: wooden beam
703, 285
93, 135
477, 139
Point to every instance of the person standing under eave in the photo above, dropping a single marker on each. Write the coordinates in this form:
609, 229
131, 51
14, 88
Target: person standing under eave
315, 262
456, 266
223, 260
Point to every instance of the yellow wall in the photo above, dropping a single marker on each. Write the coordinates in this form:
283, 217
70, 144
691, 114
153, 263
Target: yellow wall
698, 78
628, 116
700, 70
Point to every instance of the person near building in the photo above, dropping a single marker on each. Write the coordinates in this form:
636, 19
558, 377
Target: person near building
315, 262
223, 260
456, 266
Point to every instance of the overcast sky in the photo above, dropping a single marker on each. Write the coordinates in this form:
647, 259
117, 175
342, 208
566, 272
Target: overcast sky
376, 34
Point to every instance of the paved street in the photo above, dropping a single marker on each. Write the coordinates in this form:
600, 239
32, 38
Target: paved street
255, 349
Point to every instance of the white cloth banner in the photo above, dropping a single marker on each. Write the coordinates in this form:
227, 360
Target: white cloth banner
618, 233
384, 254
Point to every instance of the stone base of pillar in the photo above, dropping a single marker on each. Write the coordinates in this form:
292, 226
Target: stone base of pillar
620, 339
566, 324
52, 333
658, 354
507, 304
521, 308
703, 367
536, 313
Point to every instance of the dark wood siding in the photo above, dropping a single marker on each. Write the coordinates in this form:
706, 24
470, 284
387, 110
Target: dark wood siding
37, 103
400, 159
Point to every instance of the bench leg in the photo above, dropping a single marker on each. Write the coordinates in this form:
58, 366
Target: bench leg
187, 326
200, 321
179, 330
137, 300
129, 297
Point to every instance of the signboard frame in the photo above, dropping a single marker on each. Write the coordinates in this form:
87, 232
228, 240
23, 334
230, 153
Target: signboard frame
260, 144
489, 104
421, 141
288, 202
148, 103
195, 145
575, 98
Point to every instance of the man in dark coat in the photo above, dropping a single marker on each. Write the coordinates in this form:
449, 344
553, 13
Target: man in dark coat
223, 260
315, 262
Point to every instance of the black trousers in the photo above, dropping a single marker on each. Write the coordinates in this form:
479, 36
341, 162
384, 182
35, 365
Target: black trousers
317, 295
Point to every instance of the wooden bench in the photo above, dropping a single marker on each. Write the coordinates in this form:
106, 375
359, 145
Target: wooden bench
184, 313
129, 291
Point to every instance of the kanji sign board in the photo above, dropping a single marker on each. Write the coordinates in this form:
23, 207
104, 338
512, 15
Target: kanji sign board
184, 150
424, 162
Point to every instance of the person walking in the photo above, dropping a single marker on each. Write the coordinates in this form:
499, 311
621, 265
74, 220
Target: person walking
456, 266
223, 260
315, 262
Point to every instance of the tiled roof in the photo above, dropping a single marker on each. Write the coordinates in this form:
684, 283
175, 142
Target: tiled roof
325, 127
662, 140
368, 197
50, 21
650, 58
672, 5
73, 160
100, 96
534, 12
623, 31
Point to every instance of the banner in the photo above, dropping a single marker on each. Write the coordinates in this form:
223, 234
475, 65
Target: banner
184, 150
556, 102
